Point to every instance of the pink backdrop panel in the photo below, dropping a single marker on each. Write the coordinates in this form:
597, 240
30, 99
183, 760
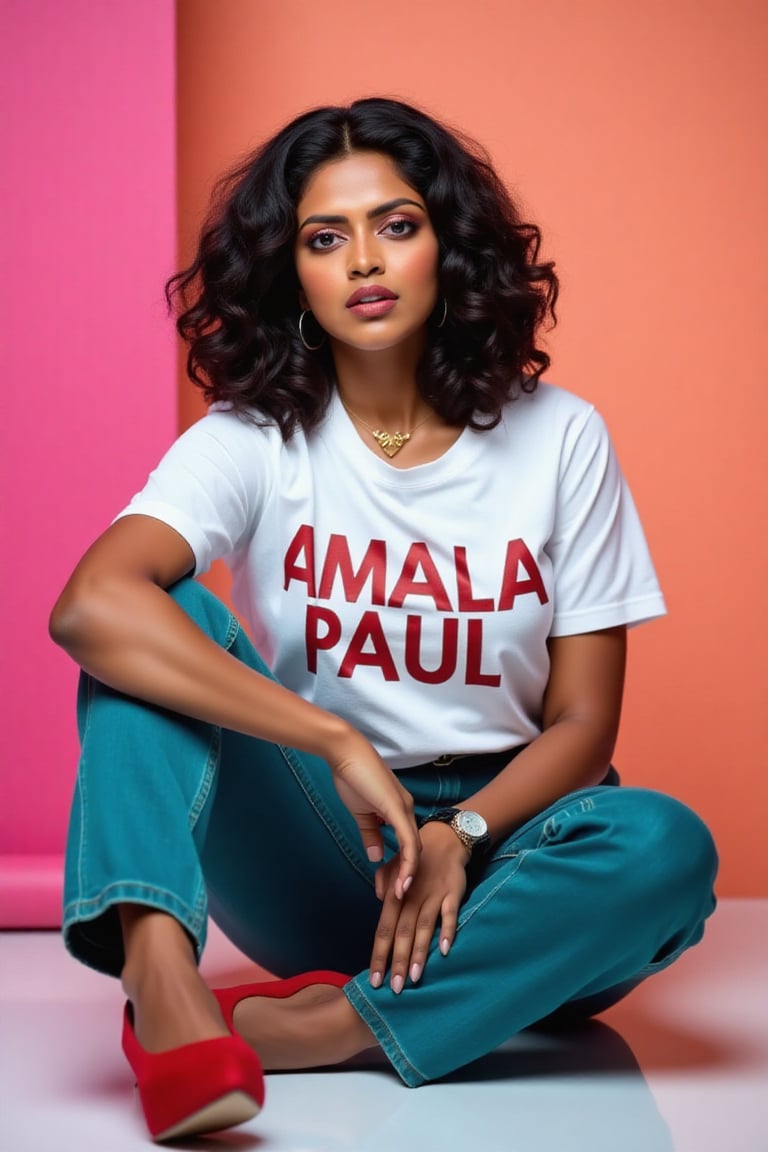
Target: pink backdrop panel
88, 398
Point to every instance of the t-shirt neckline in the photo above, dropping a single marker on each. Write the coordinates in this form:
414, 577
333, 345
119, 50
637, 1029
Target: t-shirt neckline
339, 427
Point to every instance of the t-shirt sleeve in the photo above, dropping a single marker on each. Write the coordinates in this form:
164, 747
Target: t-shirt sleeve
209, 486
603, 572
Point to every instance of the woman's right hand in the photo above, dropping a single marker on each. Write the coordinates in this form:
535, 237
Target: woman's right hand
374, 796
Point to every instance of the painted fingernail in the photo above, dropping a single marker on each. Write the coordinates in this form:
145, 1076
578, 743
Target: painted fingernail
407, 883
445, 946
376, 979
374, 854
415, 972
397, 985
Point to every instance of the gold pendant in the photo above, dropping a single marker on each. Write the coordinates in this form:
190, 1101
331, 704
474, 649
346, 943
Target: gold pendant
391, 442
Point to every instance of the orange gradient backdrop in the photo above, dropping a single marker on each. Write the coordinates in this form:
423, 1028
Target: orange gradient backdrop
630, 131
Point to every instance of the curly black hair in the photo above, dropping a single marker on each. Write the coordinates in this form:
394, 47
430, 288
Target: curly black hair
237, 302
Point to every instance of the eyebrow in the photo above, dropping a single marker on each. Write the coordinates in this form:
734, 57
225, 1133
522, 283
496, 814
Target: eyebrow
374, 212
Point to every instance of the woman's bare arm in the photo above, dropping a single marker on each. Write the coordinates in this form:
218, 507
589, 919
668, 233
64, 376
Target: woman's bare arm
581, 718
116, 620
582, 707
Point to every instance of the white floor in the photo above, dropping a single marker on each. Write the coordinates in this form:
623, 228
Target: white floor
681, 1064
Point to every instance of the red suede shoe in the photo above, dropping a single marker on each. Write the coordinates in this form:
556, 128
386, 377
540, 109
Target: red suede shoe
195, 1088
229, 998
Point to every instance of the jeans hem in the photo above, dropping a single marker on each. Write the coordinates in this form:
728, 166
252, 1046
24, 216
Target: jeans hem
97, 953
411, 1076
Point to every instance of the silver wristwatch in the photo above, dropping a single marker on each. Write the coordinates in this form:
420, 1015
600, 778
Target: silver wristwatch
470, 827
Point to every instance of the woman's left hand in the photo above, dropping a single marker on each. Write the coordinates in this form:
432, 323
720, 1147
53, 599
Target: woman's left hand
407, 924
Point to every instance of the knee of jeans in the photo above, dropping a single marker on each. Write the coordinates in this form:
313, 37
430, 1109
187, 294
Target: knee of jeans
208, 612
678, 851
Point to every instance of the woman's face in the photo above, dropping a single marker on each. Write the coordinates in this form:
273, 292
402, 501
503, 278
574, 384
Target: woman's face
366, 254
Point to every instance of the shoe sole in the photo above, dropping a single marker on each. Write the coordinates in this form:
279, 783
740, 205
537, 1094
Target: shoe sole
234, 1108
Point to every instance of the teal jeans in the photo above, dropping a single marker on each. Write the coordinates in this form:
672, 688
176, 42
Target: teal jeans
572, 910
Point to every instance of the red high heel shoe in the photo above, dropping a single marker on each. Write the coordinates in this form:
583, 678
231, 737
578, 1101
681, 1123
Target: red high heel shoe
196, 1088
229, 998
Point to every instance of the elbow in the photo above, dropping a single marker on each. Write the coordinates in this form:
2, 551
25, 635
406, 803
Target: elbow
66, 624
79, 615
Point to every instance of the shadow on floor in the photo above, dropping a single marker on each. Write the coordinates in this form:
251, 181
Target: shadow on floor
572, 1090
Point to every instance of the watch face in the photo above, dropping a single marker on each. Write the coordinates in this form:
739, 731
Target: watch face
472, 823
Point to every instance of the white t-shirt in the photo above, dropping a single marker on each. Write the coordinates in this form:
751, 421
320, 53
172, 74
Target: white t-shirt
415, 602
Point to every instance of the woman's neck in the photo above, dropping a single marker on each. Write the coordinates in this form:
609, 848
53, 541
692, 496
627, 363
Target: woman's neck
381, 386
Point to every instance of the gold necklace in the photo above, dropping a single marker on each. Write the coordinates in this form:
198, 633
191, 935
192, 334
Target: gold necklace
389, 442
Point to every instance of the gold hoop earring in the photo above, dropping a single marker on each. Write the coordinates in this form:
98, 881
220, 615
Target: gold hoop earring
302, 337
445, 314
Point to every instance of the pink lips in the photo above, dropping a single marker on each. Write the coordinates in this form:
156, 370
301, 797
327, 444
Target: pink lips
373, 294
371, 303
